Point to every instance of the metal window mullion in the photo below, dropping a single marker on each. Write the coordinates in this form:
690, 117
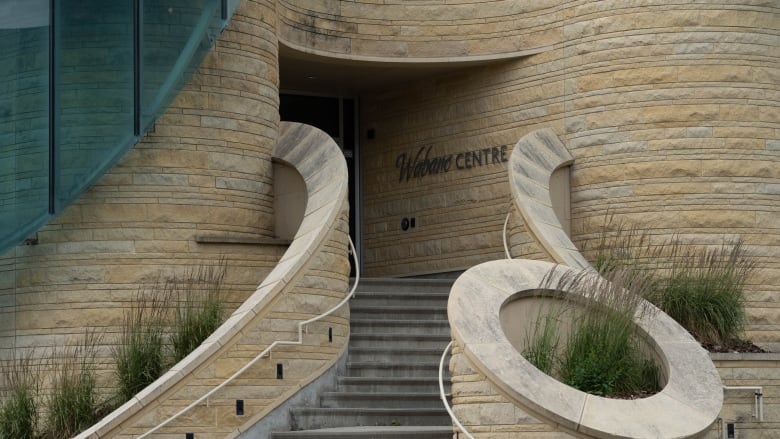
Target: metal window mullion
52, 109
137, 22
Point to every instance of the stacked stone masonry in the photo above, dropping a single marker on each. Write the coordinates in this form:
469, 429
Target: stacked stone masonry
260, 387
204, 169
669, 110
200, 392
488, 414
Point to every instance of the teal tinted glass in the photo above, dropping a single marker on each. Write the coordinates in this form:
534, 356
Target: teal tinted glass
94, 95
24, 118
176, 35
101, 51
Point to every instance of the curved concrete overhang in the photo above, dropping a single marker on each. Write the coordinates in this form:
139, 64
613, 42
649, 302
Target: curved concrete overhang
304, 68
417, 31
689, 403
320, 162
346, 47
358, 58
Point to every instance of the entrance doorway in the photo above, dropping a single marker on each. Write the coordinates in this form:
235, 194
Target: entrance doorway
336, 116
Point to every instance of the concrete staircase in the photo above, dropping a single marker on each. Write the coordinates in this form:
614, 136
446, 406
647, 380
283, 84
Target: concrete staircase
390, 390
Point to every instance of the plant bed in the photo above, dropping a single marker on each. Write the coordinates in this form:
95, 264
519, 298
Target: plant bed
592, 343
701, 287
735, 346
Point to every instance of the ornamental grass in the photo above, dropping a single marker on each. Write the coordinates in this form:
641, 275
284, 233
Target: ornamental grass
588, 339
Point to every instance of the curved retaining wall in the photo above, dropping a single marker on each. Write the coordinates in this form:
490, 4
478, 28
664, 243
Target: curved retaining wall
205, 169
310, 278
534, 160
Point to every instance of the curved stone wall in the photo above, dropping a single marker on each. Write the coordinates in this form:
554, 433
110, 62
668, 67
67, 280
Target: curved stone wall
430, 30
669, 110
205, 169
671, 113
310, 279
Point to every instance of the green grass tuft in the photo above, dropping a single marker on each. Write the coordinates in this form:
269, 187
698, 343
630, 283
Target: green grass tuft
140, 357
19, 411
74, 403
700, 287
199, 307
601, 352
165, 323
703, 289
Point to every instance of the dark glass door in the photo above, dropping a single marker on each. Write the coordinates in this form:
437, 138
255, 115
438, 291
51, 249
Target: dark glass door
337, 117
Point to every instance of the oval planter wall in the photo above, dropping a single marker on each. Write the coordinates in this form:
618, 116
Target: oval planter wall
687, 405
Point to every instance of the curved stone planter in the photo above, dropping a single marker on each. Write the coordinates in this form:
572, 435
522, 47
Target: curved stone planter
688, 404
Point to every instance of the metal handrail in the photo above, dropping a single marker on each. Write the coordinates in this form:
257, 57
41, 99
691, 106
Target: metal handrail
444, 397
506, 244
267, 350
758, 395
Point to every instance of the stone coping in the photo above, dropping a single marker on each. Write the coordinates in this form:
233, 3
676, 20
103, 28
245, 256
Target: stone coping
318, 159
689, 403
533, 160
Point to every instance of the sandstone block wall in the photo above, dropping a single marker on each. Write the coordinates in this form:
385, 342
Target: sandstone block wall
669, 110
205, 169
486, 413
738, 408
321, 285
460, 213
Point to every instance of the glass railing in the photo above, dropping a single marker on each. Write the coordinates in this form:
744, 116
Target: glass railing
80, 82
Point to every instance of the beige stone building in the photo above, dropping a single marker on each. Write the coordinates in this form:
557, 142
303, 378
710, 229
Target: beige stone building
669, 110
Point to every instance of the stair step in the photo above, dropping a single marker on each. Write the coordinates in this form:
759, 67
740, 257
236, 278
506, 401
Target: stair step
407, 312
381, 400
399, 329
379, 298
316, 418
395, 355
389, 341
370, 369
440, 327
418, 432
405, 285
390, 384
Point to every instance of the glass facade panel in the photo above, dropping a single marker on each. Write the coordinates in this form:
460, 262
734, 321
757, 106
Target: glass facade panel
24, 119
94, 95
177, 34
112, 64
